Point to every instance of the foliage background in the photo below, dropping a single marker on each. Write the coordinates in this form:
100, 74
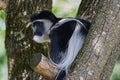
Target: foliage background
61, 8
3, 58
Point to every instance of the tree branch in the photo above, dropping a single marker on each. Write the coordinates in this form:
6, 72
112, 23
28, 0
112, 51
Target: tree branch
44, 66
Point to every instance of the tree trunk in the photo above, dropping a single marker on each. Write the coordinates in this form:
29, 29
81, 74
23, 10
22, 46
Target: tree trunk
19, 45
100, 51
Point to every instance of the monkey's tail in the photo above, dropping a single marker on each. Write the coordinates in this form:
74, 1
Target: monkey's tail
61, 75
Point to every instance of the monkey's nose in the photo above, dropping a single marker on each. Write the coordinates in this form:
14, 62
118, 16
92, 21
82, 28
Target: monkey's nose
38, 33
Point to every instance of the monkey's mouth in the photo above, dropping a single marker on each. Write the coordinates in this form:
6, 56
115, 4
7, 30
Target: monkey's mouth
41, 39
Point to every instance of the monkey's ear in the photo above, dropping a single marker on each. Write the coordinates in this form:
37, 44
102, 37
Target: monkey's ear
45, 14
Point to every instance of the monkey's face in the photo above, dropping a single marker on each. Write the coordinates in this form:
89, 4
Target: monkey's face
40, 29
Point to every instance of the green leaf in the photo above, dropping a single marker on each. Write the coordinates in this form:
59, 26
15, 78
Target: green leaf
2, 14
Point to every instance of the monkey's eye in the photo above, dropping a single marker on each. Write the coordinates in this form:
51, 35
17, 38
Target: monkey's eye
38, 24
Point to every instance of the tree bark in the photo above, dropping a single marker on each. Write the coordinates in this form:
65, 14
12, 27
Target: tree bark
88, 9
100, 51
19, 44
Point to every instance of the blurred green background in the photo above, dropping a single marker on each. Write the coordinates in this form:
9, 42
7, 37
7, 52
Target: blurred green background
61, 8
3, 58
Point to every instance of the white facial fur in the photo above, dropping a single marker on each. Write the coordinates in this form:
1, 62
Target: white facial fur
41, 39
45, 36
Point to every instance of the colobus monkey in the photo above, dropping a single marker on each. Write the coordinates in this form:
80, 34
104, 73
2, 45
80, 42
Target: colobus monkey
66, 38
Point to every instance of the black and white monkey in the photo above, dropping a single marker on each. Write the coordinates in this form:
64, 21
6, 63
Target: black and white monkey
66, 37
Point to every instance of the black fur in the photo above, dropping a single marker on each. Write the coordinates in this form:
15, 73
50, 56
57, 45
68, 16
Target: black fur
44, 15
59, 40
39, 31
61, 75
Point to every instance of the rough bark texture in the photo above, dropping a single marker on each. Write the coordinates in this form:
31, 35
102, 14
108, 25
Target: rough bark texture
19, 44
98, 56
88, 9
